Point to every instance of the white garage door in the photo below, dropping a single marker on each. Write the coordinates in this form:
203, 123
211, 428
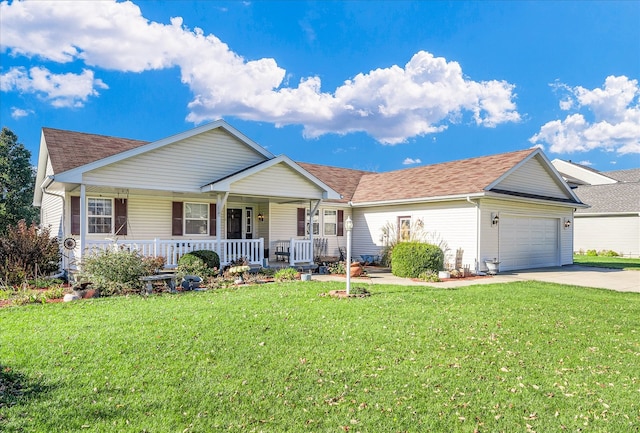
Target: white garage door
528, 242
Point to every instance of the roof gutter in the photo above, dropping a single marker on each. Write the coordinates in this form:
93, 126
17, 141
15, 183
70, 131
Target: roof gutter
418, 200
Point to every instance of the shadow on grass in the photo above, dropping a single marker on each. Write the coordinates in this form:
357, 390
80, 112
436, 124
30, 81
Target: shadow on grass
15, 387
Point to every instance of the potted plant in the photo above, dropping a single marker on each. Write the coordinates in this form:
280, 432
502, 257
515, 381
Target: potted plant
492, 266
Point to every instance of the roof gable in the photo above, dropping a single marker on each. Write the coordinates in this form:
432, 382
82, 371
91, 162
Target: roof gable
279, 176
121, 149
578, 174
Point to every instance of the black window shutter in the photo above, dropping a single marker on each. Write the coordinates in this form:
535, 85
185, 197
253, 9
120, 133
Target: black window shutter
302, 216
75, 215
176, 217
212, 219
340, 228
121, 216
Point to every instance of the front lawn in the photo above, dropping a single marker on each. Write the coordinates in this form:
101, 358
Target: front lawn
607, 262
518, 357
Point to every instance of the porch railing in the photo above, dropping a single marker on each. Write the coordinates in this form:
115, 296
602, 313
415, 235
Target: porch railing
172, 250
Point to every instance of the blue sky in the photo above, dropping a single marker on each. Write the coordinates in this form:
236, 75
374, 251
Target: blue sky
370, 85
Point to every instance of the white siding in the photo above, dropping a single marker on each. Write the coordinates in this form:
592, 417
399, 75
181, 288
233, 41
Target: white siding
182, 166
618, 233
453, 222
533, 178
279, 180
490, 235
51, 215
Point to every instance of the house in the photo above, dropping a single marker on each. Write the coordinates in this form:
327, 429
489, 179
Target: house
612, 220
214, 188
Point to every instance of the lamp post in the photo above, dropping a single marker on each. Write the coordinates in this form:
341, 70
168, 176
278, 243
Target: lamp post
348, 226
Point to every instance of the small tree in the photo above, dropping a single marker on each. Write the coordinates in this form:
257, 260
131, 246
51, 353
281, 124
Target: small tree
27, 252
17, 179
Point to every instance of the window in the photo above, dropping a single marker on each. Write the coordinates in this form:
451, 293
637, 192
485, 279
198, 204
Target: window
404, 228
196, 218
316, 223
99, 215
330, 221
248, 224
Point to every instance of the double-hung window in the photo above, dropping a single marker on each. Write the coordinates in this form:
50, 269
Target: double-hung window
330, 221
100, 215
316, 223
196, 218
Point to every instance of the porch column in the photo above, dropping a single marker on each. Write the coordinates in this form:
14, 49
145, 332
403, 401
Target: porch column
312, 212
220, 203
83, 218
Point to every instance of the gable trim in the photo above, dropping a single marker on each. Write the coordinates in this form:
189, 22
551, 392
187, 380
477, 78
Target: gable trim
224, 184
557, 177
75, 175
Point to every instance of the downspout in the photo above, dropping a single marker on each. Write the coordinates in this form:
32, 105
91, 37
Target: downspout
477, 206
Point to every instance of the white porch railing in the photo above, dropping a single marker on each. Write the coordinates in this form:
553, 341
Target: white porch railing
172, 250
300, 251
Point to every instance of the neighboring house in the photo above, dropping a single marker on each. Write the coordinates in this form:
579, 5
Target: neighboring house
612, 220
213, 188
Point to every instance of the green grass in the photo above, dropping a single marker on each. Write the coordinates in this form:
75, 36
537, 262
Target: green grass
607, 262
515, 357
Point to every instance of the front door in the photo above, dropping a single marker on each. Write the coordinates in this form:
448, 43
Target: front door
234, 223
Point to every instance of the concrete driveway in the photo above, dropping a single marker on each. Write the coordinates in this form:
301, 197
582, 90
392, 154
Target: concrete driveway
612, 279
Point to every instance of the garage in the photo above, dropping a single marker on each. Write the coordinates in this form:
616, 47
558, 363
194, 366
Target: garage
528, 242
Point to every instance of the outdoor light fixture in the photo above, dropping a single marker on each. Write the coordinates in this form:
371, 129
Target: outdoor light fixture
348, 226
567, 223
495, 219
260, 217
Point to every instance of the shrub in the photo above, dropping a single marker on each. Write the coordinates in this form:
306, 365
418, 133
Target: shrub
410, 259
27, 252
191, 264
114, 272
429, 276
286, 274
210, 258
592, 253
608, 253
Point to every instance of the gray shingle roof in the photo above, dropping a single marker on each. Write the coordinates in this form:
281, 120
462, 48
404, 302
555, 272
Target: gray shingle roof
630, 175
612, 198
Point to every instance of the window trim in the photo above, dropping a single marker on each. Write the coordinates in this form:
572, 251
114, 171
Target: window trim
308, 222
324, 222
111, 216
206, 219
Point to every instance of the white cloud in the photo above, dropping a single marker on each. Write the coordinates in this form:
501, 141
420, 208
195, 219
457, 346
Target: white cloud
391, 104
61, 90
585, 162
18, 113
409, 161
610, 121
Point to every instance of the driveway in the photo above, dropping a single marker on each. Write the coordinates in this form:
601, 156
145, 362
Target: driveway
612, 279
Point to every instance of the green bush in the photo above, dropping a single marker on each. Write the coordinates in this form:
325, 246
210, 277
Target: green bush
410, 259
114, 272
608, 253
27, 252
191, 264
286, 274
210, 258
592, 253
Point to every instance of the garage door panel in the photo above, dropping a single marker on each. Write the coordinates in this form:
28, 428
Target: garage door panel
528, 242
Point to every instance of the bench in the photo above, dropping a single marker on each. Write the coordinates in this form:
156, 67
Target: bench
169, 279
